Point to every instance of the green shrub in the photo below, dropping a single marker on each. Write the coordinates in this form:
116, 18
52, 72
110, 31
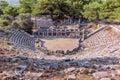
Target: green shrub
5, 17
23, 22
8, 43
4, 23
7, 32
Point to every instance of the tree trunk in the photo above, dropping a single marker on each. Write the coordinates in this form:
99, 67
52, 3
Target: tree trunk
35, 22
51, 15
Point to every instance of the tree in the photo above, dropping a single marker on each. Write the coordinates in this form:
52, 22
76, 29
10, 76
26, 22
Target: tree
102, 9
26, 6
10, 10
91, 11
62, 7
23, 22
51, 7
1, 12
44, 7
110, 10
3, 4
78, 6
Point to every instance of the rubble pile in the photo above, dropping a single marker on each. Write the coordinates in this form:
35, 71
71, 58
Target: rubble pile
25, 68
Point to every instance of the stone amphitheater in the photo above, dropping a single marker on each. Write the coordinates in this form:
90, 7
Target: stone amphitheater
100, 40
98, 57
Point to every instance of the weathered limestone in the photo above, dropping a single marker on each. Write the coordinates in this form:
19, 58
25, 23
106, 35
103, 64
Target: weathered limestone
101, 74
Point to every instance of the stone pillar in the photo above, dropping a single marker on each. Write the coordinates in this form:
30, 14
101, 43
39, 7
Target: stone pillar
47, 33
33, 33
83, 35
65, 33
52, 33
79, 21
56, 33
43, 34
37, 35
61, 33
70, 21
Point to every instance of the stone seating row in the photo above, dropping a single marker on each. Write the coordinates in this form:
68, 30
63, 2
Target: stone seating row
101, 38
21, 40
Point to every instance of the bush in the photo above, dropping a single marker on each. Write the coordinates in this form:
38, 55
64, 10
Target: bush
4, 23
5, 17
15, 24
9, 43
23, 22
8, 27
7, 32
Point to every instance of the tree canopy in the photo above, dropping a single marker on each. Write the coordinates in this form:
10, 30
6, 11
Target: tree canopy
26, 6
23, 22
3, 4
84, 9
104, 9
10, 10
88, 9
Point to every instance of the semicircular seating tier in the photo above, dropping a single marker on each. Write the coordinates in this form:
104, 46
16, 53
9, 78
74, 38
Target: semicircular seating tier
22, 40
106, 35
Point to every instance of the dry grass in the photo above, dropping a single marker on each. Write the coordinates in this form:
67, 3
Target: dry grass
61, 44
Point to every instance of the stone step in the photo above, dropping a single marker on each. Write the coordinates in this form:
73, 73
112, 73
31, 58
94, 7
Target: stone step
21, 39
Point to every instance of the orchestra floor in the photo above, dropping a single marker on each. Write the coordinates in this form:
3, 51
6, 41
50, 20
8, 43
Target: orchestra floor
61, 44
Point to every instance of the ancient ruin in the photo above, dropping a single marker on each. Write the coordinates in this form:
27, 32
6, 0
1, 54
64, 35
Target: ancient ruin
45, 28
104, 36
99, 57
72, 31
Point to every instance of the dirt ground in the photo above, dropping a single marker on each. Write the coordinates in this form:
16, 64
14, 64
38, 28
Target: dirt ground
61, 44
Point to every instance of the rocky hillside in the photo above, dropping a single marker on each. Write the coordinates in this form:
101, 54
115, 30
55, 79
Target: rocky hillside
18, 66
